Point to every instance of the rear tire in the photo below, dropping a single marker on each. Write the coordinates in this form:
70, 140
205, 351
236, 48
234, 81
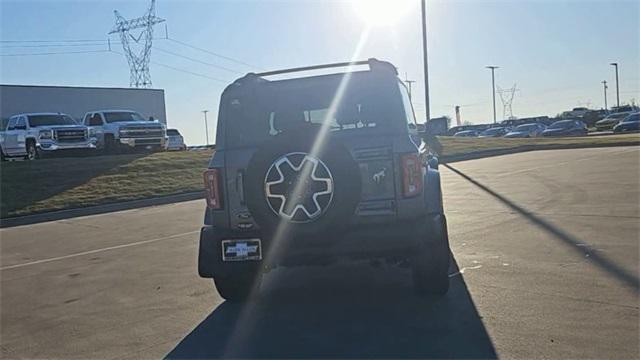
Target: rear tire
238, 287
430, 266
32, 151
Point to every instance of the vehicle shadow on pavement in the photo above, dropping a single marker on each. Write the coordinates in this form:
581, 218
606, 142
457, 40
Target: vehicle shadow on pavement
625, 277
342, 312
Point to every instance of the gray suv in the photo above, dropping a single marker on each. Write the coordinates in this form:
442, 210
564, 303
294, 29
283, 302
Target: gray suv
311, 170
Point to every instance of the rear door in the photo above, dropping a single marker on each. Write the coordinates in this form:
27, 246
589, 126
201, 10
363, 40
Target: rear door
21, 134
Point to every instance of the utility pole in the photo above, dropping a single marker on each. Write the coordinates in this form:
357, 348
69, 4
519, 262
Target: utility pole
206, 125
493, 87
409, 82
617, 85
604, 83
424, 60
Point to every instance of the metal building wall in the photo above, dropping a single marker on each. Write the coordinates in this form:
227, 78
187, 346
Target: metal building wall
76, 101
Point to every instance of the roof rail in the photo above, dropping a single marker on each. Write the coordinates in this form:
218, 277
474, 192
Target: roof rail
372, 62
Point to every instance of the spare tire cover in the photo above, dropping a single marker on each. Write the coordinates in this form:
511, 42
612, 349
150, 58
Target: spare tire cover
289, 189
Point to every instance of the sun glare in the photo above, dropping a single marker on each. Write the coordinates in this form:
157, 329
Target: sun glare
381, 12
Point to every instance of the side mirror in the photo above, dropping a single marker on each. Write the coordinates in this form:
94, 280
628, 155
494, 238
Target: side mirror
422, 129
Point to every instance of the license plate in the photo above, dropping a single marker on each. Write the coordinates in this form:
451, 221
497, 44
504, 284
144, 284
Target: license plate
241, 250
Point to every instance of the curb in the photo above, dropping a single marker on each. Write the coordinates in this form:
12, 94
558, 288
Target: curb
98, 209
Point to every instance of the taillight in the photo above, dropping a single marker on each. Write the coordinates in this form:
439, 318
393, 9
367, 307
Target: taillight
212, 188
411, 175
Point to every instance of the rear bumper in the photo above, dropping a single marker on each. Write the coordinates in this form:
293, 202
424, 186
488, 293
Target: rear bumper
379, 241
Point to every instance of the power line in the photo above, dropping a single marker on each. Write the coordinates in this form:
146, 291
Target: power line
181, 70
198, 61
57, 53
51, 41
49, 46
214, 54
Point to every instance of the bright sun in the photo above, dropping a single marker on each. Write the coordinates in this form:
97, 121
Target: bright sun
381, 12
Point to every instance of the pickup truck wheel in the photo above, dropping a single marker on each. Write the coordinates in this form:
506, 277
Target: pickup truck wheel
430, 266
238, 287
32, 151
109, 144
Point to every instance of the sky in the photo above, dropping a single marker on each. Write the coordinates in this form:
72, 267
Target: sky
556, 52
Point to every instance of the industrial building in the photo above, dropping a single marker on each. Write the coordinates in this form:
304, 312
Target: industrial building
76, 101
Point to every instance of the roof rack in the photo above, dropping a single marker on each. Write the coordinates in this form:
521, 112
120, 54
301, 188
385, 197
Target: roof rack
372, 62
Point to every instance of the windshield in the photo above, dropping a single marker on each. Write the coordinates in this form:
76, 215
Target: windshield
493, 131
633, 118
288, 105
617, 116
112, 117
526, 127
562, 124
48, 120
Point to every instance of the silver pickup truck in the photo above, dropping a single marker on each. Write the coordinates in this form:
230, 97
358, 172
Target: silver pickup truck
34, 134
125, 129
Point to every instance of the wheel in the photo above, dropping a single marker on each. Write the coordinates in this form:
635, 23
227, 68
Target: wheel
238, 287
110, 145
32, 151
430, 266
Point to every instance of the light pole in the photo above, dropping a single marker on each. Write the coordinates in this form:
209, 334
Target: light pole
604, 83
493, 86
424, 59
617, 86
206, 125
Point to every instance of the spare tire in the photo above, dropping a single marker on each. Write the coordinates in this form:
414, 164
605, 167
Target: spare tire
290, 190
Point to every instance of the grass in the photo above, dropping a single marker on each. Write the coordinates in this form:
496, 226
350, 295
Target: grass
454, 146
65, 183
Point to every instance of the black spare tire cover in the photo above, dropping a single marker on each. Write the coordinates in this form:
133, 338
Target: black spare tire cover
291, 190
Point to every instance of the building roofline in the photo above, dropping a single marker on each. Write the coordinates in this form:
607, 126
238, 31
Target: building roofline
79, 87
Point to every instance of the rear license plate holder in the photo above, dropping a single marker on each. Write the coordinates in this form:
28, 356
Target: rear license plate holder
241, 250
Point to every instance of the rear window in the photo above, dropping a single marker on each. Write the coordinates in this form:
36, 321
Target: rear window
172, 132
274, 108
48, 120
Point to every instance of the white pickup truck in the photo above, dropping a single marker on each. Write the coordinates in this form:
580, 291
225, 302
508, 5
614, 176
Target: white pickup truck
34, 134
124, 129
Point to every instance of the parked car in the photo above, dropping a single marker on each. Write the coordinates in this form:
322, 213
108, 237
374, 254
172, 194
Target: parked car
31, 135
478, 127
175, 141
525, 131
610, 121
467, 133
494, 132
273, 199
511, 123
593, 116
124, 129
629, 124
566, 128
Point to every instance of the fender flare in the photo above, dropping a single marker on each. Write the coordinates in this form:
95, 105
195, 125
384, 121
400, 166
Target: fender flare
433, 192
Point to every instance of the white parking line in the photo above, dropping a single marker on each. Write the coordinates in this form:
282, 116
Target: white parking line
97, 251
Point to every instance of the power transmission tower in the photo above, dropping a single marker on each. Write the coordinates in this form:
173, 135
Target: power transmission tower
138, 61
506, 96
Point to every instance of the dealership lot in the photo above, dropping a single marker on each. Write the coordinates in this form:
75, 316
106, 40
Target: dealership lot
546, 247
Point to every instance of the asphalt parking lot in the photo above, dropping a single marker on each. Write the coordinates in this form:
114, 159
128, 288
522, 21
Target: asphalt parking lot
545, 245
